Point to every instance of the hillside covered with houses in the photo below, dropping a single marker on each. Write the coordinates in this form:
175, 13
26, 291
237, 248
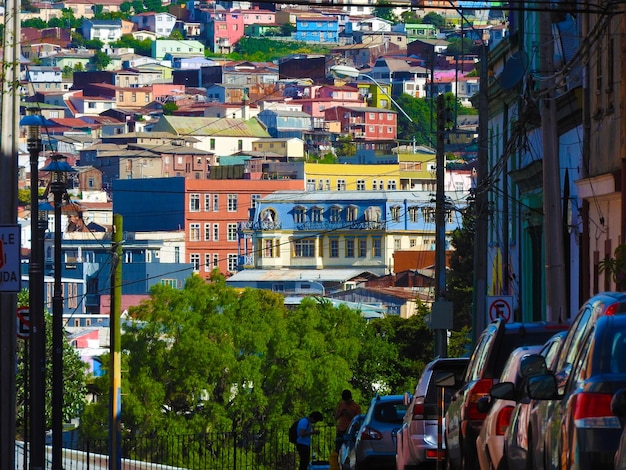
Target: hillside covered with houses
280, 174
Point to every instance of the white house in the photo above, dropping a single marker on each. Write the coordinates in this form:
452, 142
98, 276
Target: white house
162, 24
105, 30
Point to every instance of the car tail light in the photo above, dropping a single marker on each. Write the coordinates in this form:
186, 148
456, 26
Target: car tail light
612, 309
418, 409
593, 410
479, 389
503, 420
369, 434
432, 454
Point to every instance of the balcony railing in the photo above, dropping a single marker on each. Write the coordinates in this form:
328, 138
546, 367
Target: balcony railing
255, 225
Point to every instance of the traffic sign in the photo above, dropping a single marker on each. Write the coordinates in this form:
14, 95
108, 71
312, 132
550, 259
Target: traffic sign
10, 273
23, 322
500, 307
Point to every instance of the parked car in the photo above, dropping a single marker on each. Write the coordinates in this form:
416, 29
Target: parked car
417, 441
499, 409
463, 419
585, 432
375, 446
517, 438
346, 450
540, 429
618, 407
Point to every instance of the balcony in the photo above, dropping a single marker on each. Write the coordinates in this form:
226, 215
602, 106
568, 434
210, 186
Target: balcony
261, 226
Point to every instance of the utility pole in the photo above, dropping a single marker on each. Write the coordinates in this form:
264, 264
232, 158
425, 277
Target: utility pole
481, 204
552, 215
115, 389
9, 132
442, 314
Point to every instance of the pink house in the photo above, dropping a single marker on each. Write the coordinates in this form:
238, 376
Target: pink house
258, 16
365, 123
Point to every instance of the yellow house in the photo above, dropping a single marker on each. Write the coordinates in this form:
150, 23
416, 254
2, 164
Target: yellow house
353, 177
418, 168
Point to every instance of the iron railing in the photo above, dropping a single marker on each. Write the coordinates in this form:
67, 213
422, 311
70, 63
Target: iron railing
258, 450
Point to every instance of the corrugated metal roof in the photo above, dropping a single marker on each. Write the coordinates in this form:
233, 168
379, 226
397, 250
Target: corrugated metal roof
208, 126
320, 275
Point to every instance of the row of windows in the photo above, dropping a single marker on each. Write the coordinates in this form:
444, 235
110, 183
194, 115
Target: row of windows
211, 232
352, 248
211, 261
212, 201
324, 185
316, 214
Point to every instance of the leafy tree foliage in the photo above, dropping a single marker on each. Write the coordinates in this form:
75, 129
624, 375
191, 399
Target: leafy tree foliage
345, 146
74, 376
267, 50
101, 60
460, 278
435, 19
37, 23
169, 108
459, 47
209, 357
384, 9
66, 20
141, 47
420, 129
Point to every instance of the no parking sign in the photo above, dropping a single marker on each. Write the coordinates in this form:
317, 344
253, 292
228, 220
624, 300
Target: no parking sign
500, 307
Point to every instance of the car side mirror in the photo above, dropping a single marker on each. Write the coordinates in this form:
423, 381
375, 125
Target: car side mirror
618, 405
503, 391
445, 379
543, 387
533, 364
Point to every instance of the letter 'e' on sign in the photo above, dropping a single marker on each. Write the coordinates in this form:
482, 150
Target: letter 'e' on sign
10, 272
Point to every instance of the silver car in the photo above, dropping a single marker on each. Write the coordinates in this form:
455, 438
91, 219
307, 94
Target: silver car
375, 446
418, 440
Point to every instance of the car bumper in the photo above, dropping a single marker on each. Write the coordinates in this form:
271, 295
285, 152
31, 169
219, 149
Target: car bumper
595, 448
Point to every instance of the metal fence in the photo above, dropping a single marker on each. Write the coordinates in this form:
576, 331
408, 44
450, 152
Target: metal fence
258, 450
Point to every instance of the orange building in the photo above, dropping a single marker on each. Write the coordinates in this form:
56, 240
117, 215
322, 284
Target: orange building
213, 210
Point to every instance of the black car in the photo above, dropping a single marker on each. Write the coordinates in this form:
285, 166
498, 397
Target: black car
463, 418
587, 432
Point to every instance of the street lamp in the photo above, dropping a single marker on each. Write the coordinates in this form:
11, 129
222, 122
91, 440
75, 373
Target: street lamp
345, 71
58, 169
37, 335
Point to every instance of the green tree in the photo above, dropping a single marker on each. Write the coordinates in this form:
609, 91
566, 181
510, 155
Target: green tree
208, 357
101, 60
36, 23
177, 35
384, 10
169, 108
267, 50
345, 146
459, 47
75, 376
420, 129
287, 29
435, 19
141, 47
460, 278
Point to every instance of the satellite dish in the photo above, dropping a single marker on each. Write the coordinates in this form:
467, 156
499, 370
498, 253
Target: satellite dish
514, 70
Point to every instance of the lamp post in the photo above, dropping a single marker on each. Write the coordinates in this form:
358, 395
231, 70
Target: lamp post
37, 414
58, 169
441, 319
351, 72
320, 285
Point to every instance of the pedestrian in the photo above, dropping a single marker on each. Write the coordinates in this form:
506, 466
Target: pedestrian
305, 431
347, 409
